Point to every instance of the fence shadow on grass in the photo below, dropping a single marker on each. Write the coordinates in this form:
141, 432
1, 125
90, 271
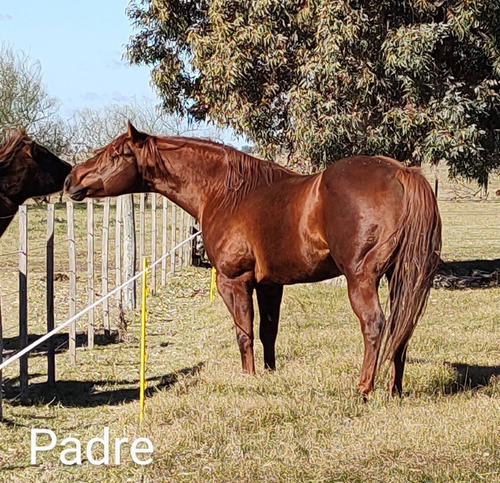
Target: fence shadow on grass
471, 377
60, 341
86, 394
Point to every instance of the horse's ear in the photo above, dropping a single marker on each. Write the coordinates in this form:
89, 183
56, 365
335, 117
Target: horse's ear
29, 149
137, 137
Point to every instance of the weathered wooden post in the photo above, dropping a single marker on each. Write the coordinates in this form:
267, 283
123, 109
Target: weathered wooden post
118, 249
173, 226
104, 265
142, 225
153, 241
164, 238
23, 301
72, 280
192, 230
182, 221
187, 232
90, 273
129, 252
49, 259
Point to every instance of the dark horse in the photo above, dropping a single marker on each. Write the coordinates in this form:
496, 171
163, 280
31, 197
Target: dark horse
265, 226
26, 169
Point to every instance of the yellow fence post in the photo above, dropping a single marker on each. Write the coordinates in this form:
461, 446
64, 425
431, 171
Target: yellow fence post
142, 371
213, 285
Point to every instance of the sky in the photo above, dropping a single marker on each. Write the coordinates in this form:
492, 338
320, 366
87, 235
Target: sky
80, 45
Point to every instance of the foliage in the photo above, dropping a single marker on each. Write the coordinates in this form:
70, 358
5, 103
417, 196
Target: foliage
322, 79
25, 103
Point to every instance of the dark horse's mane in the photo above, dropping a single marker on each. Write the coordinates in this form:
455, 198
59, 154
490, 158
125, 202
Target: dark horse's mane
244, 172
10, 147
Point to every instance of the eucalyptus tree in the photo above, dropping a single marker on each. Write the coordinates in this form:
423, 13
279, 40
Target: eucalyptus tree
322, 79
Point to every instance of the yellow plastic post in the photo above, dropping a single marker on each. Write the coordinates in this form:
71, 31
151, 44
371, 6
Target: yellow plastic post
142, 370
213, 285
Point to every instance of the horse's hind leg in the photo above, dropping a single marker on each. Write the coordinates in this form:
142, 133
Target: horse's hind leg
269, 299
363, 295
398, 367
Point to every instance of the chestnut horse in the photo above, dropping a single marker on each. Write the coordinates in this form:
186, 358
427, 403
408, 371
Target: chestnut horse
265, 226
26, 169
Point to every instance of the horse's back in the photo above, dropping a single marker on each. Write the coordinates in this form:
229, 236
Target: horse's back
302, 228
361, 172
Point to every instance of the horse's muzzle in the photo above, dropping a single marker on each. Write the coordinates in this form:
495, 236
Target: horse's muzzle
76, 193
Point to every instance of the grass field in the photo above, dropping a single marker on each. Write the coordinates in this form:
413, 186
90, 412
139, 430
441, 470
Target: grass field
208, 422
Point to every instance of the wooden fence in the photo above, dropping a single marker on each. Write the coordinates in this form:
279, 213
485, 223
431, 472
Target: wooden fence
76, 275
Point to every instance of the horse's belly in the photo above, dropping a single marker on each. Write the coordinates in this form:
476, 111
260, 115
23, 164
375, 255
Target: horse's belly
296, 268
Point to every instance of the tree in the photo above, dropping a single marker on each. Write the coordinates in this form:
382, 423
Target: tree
25, 103
94, 128
323, 79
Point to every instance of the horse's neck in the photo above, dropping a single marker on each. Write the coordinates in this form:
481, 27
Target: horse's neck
195, 178
8, 210
188, 178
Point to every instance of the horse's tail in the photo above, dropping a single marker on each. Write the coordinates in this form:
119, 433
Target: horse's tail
416, 257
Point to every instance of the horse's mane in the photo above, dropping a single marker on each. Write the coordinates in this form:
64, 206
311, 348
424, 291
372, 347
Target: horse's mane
10, 147
244, 172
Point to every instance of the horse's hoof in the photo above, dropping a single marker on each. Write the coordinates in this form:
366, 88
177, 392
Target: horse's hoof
394, 393
364, 396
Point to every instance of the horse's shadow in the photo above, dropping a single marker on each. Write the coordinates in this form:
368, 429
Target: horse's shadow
466, 267
464, 274
86, 394
471, 377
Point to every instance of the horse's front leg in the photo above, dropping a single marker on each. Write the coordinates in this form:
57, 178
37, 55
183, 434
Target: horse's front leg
269, 299
237, 295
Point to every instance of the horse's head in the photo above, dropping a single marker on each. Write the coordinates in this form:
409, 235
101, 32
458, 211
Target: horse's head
113, 170
29, 169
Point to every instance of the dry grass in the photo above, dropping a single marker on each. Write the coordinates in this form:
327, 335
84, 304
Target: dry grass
305, 422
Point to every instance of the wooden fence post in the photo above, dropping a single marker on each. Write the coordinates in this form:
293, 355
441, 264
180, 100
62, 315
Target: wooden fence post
187, 218
129, 251
104, 265
90, 273
182, 237
118, 249
23, 301
142, 225
191, 230
173, 226
72, 280
153, 242
51, 358
164, 241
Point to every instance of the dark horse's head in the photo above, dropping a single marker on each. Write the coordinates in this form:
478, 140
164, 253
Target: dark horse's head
27, 169
112, 171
